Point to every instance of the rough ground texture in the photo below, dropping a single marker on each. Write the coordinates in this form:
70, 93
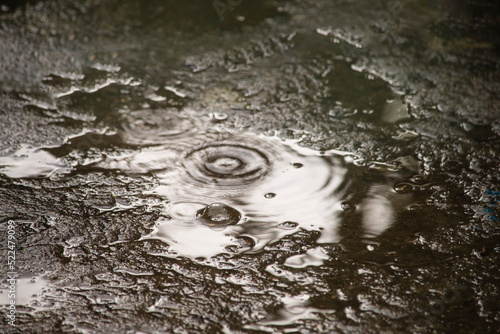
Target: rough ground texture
105, 106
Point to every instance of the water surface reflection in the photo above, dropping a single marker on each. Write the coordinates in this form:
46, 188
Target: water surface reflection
229, 192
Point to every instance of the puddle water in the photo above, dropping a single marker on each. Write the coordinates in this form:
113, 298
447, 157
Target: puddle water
294, 308
240, 192
248, 167
28, 291
29, 162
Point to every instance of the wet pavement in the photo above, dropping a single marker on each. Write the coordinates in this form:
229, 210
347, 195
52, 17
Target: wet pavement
250, 167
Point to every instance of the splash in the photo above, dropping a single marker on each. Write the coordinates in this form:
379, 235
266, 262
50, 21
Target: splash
232, 193
154, 127
225, 164
219, 181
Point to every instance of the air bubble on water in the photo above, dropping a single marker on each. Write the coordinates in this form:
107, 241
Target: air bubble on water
219, 116
245, 242
218, 215
403, 188
347, 206
270, 195
288, 225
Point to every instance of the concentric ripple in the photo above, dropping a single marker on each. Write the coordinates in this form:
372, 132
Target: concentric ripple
154, 127
260, 189
226, 164
234, 193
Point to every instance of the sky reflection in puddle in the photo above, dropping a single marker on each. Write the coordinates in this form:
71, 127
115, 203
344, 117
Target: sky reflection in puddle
277, 187
274, 187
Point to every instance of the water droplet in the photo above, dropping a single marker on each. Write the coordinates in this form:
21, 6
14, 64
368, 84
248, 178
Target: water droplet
297, 165
403, 188
288, 225
418, 178
231, 249
219, 116
270, 195
226, 164
218, 215
223, 165
245, 242
347, 206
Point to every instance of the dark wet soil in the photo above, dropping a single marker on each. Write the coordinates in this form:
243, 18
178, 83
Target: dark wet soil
250, 167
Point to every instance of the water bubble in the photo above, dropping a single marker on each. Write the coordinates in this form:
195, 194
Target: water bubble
226, 164
297, 165
270, 195
218, 215
288, 225
403, 188
219, 116
245, 242
347, 206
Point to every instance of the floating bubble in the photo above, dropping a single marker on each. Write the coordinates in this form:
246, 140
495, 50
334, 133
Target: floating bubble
403, 188
219, 116
218, 215
288, 225
245, 242
347, 206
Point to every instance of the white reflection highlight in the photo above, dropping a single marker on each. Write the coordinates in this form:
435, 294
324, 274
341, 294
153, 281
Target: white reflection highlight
279, 189
379, 208
29, 163
306, 185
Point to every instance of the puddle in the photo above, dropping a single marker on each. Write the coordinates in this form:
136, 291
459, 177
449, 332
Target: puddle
275, 187
28, 292
294, 308
244, 167
29, 163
